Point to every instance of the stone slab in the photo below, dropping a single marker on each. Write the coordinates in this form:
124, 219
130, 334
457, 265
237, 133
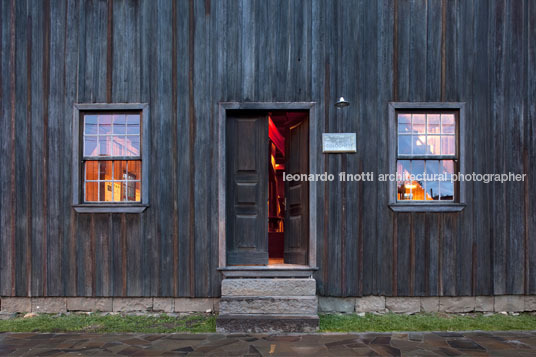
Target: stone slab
89, 304
530, 303
406, 305
49, 305
268, 287
509, 303
302, 305
164, 304
16, 304
336, 304
430, 304
457, 304
484, 304
194, 304
132, 304
370, 304
266, 323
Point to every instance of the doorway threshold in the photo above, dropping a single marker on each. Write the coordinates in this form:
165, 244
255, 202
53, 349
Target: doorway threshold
268, 271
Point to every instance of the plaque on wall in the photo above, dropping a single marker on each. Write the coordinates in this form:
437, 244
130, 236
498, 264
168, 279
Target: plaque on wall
339, 142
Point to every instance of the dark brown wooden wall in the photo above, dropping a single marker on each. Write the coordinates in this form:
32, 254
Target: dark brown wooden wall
184, 57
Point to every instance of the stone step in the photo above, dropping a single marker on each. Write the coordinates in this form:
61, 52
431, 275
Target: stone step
268, 287
294, 305
266, 323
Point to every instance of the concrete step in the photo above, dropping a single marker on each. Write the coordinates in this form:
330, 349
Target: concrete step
266, 323
293, 305
268, 287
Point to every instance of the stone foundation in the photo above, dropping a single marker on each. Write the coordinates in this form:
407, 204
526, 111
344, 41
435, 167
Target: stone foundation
447, 304
377, 304
120, 304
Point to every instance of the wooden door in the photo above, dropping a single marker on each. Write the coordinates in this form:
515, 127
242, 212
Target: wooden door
297, 194
247, 189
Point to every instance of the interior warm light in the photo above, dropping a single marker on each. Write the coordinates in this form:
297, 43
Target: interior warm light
412, 186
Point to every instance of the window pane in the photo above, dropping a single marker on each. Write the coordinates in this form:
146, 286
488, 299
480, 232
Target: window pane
118, 146
419, 122
133, 191
419, 145
417, 186
133, 124
105, 124
105, 148
447, 145
105, 170
120, 169
433, 123
92, 191
447, 166
134, 170
432, 186
92, 170
447, 187
404, 123
90, 146
132, 145
117, 193
90, 124
433, 147
403, 172
106, 191
448, 125
404, 144
119, 124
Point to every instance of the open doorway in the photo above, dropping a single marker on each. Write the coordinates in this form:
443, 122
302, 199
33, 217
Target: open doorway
287, 208
266, 220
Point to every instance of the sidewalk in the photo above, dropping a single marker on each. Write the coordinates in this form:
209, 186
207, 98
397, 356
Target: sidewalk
370, 344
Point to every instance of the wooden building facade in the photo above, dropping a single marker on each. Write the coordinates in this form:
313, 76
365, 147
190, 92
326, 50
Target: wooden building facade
182, 60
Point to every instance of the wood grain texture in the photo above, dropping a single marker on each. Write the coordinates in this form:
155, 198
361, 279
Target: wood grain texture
184, 57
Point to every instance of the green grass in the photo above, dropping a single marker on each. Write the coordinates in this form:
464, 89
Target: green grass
425, 322
111, 323
207, 323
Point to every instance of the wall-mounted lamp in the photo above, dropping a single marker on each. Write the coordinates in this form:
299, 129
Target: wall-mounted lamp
341, 103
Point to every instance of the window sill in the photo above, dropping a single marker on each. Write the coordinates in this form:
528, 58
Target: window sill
427, 207
110, 208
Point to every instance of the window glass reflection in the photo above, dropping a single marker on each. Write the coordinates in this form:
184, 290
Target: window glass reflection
448, 125
404, 123
419, 145
433, 122
419, 123
404, 144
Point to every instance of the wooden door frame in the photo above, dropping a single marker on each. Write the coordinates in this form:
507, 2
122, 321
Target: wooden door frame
314, 151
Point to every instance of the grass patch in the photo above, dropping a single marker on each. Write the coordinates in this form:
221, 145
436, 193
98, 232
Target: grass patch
110, 323
425, 322
197, 323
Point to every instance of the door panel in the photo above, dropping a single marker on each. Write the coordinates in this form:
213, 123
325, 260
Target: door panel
247, 189
297, 193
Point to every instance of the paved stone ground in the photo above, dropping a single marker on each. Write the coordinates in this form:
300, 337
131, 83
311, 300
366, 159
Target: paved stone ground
363, 344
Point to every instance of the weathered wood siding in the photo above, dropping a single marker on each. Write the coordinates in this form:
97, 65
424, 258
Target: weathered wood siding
184, 57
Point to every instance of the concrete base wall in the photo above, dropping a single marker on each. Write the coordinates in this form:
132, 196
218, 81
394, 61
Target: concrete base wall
380, 304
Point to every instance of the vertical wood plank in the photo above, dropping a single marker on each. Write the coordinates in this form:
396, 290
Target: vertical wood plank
385, 93
22, 151
8, 111
499, 105
531, 145
55, 133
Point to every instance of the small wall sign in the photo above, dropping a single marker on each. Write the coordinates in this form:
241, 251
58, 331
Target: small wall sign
339, 142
